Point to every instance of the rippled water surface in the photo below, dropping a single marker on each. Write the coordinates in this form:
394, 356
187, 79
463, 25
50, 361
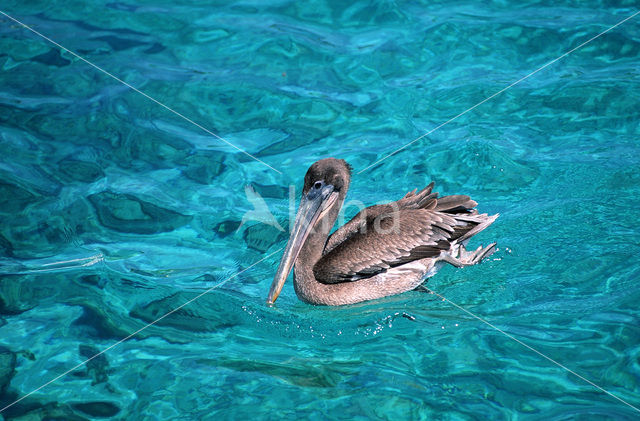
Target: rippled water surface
114, 210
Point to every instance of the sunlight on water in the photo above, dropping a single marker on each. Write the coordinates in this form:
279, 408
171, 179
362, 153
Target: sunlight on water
114, 211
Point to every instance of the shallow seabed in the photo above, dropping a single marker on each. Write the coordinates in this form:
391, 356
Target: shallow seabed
114, 211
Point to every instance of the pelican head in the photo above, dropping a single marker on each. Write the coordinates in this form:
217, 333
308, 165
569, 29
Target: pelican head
325, 187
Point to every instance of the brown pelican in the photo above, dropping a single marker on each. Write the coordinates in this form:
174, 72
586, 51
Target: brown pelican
384, 250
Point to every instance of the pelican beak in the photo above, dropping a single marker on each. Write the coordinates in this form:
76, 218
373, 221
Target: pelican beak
313, 206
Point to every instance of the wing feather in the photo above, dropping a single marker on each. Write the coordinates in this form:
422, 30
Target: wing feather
389, 240
424, 199
380, 237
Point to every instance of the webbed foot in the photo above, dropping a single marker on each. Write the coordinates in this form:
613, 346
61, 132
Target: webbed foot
469, 258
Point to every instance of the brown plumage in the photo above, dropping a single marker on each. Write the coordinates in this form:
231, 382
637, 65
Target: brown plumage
384, 250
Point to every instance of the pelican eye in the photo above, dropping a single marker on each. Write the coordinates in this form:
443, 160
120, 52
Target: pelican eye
317, 185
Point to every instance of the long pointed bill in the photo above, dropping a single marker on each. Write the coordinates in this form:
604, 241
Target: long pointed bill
312, 207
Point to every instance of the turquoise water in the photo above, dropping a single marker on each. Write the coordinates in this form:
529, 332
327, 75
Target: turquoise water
114, 211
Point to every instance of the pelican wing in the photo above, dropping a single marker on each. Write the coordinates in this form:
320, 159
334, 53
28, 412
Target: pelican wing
424, 199
375, 241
